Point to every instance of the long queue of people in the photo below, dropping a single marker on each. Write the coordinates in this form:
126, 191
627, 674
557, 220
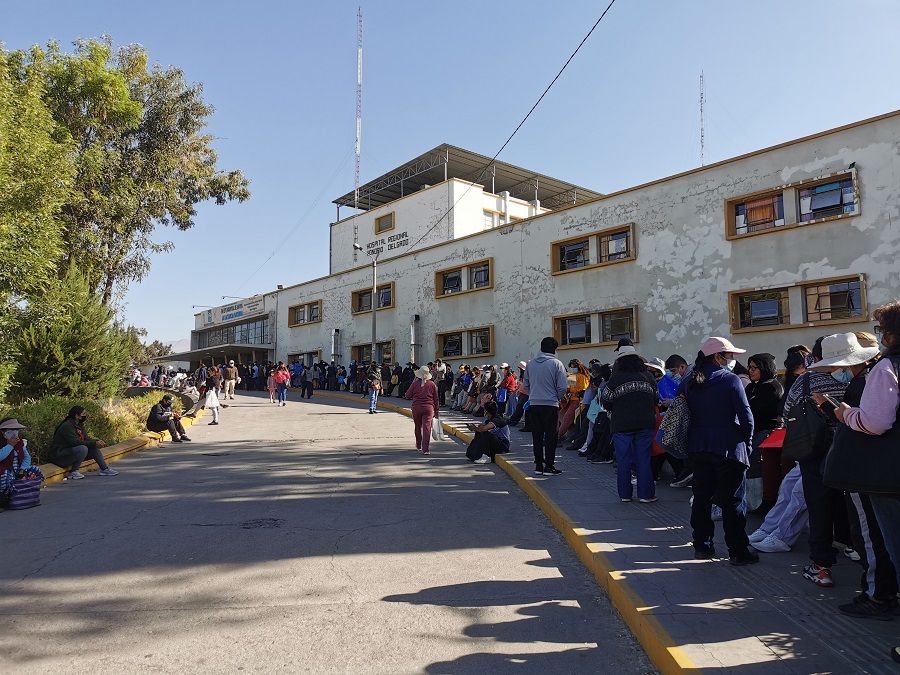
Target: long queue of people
745, 449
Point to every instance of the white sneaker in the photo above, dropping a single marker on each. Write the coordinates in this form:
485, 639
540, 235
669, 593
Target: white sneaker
771, 544
484, 459
852, 554
76, 475
759, 535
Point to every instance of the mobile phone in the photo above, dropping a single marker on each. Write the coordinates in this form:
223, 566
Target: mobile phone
829, 405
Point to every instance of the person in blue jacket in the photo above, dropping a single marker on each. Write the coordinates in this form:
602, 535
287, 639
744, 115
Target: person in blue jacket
718, 445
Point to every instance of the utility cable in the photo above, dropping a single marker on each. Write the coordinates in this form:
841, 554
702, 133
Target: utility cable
512, 135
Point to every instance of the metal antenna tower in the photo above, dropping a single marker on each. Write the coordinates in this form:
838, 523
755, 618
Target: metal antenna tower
702, 123
359, 38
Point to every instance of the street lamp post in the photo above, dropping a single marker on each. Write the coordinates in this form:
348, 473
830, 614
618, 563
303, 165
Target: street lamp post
374, 294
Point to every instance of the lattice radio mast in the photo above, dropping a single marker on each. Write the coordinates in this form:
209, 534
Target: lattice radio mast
359, 36
702, 122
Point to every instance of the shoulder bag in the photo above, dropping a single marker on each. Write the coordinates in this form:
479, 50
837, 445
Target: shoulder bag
806, 431
858, 462
673, 430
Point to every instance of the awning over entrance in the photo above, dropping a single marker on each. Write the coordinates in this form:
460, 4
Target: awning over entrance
240, 353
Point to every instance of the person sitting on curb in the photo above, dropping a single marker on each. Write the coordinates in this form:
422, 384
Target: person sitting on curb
14, 459
71, 446
491, 438
163, 418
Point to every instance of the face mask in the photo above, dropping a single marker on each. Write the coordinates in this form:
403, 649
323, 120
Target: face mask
843, 376
573, 370
12, 433
675, 376
731, 364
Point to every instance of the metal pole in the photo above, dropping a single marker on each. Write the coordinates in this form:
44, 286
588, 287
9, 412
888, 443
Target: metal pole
374, 300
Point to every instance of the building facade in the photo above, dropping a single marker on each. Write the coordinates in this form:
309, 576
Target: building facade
773, 248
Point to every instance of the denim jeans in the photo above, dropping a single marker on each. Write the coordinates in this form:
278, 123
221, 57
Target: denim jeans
282, 393
633, 450
373, 398
887, 512
512, 401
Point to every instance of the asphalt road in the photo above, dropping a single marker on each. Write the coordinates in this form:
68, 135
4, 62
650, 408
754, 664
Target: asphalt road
311, 538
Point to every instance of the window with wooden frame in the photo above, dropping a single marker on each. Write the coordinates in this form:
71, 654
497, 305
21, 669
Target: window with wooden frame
576, 330
361, 300
308, 312
363, 353
465, 342
840, 299
757, 309
604, 327
384, 223
814, 200
612, 245
475, 276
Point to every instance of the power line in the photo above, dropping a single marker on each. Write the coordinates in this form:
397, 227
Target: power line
299, 223
512, 135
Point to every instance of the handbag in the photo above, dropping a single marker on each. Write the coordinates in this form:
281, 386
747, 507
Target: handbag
806, 431
858, 462
501, 395
675, 425
26, 493
395, 379
437, 430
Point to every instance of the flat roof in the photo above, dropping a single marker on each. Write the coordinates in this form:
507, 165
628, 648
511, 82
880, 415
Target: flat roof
448, 161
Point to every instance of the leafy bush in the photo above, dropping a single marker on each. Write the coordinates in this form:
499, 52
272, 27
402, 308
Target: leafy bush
112, 421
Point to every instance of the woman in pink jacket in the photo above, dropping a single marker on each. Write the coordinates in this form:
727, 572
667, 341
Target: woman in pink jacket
426, 405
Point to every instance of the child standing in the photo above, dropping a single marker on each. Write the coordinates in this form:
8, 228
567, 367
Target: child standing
270, 385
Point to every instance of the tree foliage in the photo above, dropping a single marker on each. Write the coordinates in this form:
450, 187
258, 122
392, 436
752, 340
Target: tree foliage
139, 352
141, 154
36, 179
69, 345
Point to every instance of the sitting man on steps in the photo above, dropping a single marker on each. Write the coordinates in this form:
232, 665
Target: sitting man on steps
163, 418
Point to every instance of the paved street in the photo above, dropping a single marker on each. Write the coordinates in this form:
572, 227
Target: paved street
301, 539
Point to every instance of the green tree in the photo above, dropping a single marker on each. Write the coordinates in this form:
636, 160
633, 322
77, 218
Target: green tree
142, 156
140, 353
36, 178
69, 345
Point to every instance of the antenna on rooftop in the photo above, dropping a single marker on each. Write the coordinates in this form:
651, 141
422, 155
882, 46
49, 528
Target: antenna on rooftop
359, 36
702, 122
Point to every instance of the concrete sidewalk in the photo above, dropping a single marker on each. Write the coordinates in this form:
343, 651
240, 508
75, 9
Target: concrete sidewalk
691, 614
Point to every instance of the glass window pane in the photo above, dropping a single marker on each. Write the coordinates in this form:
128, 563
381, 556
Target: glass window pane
300, 315
764, 308
481, 342
617, 325
573, 256
452, 282
451, 344
384, 297
834, 301
480, 276
576, 330
314, 311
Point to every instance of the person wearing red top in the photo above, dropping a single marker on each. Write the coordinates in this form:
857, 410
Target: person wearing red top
510, 385
282, 379
426, 405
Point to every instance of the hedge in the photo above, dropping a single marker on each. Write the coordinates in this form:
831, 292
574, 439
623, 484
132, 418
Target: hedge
113, 421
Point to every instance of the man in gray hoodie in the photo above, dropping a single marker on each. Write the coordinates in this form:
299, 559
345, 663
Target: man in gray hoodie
545, 383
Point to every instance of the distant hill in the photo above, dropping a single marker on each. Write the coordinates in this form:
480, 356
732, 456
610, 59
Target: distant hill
179, 346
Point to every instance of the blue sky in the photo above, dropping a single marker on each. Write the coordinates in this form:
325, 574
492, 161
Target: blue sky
282, 77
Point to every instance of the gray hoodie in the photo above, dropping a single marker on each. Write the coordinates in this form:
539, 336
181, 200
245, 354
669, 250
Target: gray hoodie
545, 380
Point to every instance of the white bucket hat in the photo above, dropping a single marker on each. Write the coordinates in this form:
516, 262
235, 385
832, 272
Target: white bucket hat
624, 350
657, 364
423, 373
843, 349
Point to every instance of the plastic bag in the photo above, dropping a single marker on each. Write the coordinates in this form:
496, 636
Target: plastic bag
437, 430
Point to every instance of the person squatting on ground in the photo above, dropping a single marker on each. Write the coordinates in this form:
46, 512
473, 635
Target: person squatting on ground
545, 384
15, 460
426, 406
163, 418
71, 446
491, 437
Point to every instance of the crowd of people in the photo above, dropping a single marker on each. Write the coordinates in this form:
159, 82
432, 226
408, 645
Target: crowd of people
734, 415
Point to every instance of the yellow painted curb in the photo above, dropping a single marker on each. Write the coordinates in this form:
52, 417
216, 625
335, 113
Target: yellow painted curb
667, 656
116, 451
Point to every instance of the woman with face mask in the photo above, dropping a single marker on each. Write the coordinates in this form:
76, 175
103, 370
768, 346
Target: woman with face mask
718, 441
764, 394
14, 459
579, 379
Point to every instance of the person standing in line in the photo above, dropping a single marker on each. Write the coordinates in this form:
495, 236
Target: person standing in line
230, 376
331, 375
764, 395
307, 383
282, 380
440, 378
545, 385
631, 399
271, 385
426, 405
374, 385
718, 441
212, 394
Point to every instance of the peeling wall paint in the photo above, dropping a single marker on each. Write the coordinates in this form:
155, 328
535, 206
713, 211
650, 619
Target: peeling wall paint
680, 280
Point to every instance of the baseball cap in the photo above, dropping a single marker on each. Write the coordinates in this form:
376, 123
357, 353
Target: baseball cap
716, 345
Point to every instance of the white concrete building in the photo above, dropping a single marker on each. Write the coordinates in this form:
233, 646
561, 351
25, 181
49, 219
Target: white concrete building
773, 248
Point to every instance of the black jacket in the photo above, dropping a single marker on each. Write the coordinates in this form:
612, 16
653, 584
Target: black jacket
159, 417
631, 399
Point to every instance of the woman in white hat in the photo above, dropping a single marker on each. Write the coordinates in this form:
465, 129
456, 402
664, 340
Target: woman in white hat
14, 458
426, 405
718, 441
